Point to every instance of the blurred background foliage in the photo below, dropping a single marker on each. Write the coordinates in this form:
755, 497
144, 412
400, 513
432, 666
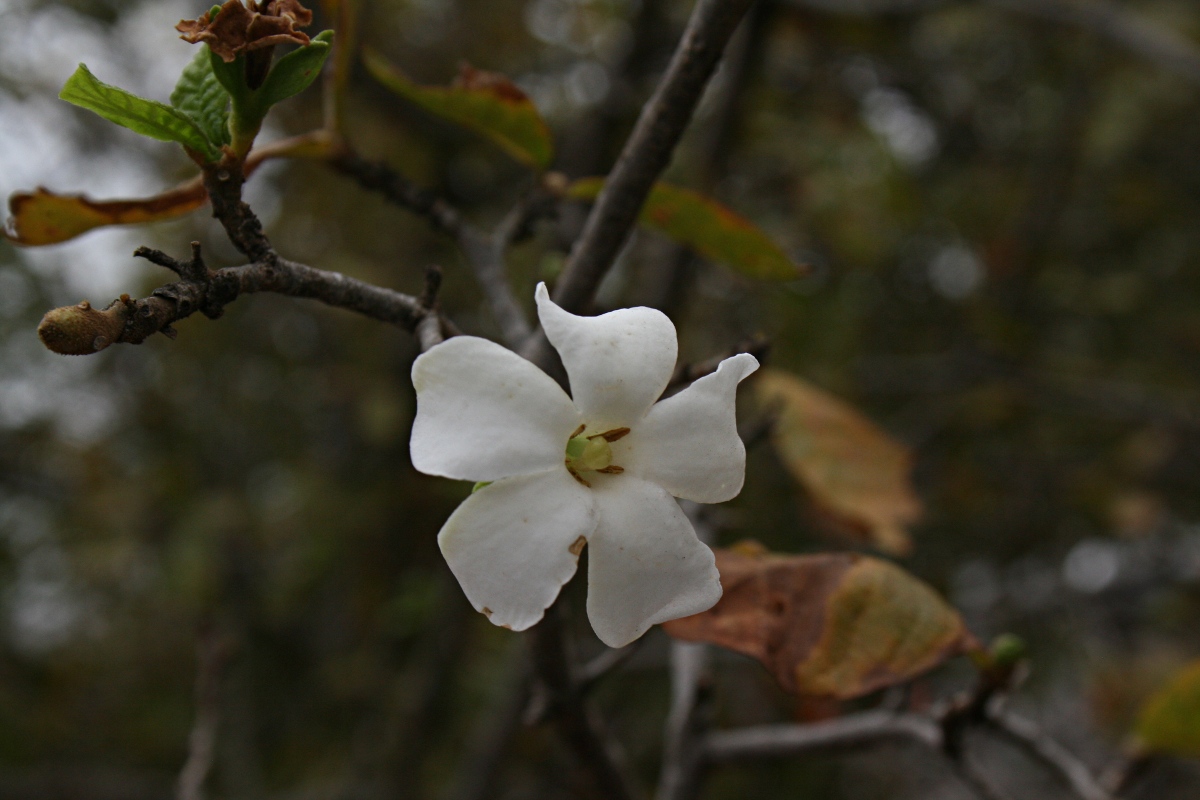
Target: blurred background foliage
1001, 215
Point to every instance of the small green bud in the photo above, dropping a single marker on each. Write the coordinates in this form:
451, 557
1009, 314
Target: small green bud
1007, 649
479, 486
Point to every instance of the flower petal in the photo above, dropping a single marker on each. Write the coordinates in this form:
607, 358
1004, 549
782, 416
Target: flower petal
645, 564
513, 544
688, 443
485, 413
619, 362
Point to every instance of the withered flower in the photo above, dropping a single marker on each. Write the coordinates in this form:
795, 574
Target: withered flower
238, 29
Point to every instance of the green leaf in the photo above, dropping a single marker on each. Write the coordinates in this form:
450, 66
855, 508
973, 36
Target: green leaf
485, 102
707, 227
295, 72
231, 75
1170, 720
147, 117
200, 95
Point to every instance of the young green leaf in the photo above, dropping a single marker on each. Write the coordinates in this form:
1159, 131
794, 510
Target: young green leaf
835, 625
147, 117
707, 227
1170, 720
485, 102
294, 72
200, 95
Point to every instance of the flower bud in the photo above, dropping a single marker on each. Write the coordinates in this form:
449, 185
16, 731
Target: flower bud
82, 330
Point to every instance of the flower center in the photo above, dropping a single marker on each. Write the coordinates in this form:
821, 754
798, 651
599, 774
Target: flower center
592, 453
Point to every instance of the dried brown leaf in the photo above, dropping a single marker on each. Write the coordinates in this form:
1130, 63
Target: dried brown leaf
42, 217
857, 475
834, 625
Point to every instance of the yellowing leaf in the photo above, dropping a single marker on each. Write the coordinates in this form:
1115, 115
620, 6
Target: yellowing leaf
485, 102
707, 227
43, 217
1170, 720
835, 625
856, 473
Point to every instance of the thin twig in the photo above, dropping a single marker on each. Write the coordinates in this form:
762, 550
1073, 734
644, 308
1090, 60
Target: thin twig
224, 181
571, 715
81, 330
648, 149
683, 756
853, 730
492, 735
683, 751
642, 160
679, 265
1027, 735
212, 655
591, 672
484, 253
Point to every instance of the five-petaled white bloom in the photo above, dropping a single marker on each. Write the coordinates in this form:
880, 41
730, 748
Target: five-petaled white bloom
601, 468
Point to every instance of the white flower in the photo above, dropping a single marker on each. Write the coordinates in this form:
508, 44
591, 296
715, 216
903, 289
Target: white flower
599, 469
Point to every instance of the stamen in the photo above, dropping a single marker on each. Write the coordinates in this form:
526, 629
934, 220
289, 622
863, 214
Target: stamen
575, 474
613, 435
578, 431
612, 469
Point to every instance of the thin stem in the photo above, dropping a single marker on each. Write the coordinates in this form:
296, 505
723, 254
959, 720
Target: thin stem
484, 253
1027, 735
571, 715
648, 149
854, 730
211, 657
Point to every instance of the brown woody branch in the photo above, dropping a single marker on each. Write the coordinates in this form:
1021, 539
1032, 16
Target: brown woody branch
866, 728
212, 655
223, 182
853, 730
571, 715
1027, 735
645, 155
485, 253
648, 149
82, 330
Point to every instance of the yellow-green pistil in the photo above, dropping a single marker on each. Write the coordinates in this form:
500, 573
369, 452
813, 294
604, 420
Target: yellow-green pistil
592, 453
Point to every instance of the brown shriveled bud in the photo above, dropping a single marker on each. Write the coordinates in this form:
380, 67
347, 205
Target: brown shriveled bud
82, 330
238, 29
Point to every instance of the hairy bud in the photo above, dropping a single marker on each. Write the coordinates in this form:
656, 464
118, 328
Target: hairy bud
82, 330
